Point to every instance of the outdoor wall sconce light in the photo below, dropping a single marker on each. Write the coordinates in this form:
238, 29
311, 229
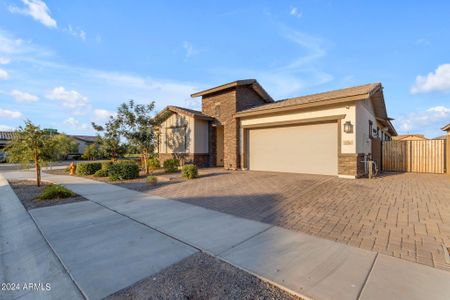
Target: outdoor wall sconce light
348, 127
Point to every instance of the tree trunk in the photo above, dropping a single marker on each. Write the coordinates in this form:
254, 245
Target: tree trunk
145, 157
37, 166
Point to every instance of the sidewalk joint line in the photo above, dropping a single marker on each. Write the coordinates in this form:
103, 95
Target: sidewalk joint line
367, 277
247, 239
57, 256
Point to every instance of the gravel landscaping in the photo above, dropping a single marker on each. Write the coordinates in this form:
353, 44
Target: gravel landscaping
202, 276
138, 184
27, 191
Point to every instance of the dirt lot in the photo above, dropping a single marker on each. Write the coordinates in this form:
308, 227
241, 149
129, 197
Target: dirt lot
27, 191
201, 276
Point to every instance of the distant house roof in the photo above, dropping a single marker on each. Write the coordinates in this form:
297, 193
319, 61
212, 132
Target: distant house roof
162, 115
251, 82
7, 135
441, 137
446, 127
85, 138
410, 137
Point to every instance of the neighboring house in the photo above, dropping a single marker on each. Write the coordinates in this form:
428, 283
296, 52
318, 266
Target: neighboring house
83, 141
409, 137
241, 126
5, 138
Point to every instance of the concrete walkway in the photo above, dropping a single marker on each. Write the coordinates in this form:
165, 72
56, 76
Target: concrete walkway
26, 260
304, 264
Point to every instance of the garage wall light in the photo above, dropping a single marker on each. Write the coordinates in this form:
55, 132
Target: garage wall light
348, 127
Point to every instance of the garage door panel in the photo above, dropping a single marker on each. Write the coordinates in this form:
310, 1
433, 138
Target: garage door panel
308, 149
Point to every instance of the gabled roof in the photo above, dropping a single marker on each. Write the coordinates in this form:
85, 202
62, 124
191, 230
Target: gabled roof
251, 82
446, 127
409, 136
343, 95
7, 135
183, 111
85, 138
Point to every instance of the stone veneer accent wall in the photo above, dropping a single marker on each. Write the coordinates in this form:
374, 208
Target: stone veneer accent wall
200, 160
350, 164
230, 101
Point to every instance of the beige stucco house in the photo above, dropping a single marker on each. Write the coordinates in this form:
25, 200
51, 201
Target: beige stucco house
242, 127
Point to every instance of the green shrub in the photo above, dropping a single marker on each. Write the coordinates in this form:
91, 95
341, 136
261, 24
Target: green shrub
171, 165
101, 173
151, 179
87, 168
189, 171
106, 165
123, 170
55, 191
153, 164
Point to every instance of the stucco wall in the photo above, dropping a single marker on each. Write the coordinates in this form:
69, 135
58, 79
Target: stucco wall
364, 113
166, 129
201, 136
348, 142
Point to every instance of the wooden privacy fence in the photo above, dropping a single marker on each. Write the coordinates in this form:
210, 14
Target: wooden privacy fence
427, 156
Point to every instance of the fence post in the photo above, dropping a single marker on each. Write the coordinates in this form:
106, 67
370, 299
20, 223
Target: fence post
447, 154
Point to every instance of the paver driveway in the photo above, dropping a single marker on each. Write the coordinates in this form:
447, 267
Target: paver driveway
403, 215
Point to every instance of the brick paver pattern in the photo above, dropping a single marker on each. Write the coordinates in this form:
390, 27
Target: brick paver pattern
403, 215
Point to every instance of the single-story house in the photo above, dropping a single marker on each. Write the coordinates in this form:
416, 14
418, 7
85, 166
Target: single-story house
83, 141
242, 127
409, 137
5, 138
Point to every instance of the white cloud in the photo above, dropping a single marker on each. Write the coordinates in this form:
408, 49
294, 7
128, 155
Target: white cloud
189, 48
76, 32
70, 99
76, 124
437, 81
4, 113
6, 128
23, 97
9, 44
4, 60
37, 9
3, 74
295, 12
418, 121
102, 114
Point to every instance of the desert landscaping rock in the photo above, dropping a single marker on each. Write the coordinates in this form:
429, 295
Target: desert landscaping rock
201, 276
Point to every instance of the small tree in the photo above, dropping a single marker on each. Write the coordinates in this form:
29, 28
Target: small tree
110, 145
137, 126
31, 143
91, 152
60, 145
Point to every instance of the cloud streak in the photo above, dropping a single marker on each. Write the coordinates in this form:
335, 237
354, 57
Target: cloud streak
23, 97
36, 9
9, 114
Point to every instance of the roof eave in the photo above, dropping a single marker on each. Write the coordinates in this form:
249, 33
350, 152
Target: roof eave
446, 127
255, 85
303, 105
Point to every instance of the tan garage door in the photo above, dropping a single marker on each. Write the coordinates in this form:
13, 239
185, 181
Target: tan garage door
310, 149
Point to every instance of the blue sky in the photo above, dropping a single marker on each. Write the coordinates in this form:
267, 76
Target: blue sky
64, 64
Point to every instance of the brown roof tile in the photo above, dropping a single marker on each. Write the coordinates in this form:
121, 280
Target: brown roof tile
316, 98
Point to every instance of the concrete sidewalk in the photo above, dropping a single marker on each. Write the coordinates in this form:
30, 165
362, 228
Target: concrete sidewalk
25, 256
304, 264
